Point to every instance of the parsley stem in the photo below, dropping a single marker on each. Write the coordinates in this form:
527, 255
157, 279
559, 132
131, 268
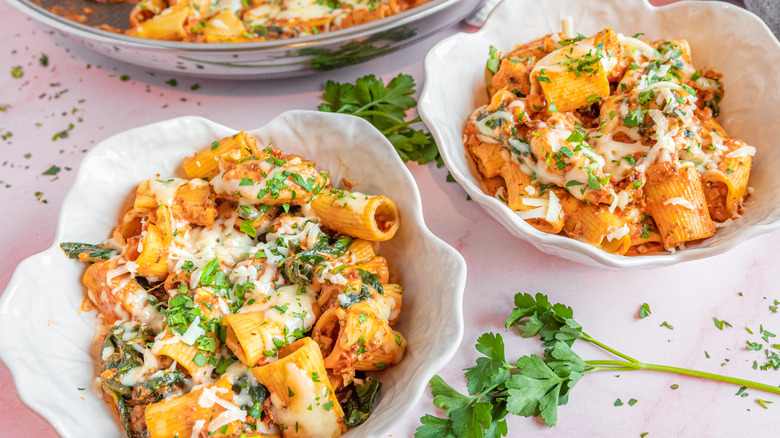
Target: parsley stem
586, 337
610, 368
400, 125
362, 108
619, 364
378, 113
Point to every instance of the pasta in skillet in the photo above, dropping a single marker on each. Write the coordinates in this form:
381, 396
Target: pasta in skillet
609, 140
247, 300
216, 21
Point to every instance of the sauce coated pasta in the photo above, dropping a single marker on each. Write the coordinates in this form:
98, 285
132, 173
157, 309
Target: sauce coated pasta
610, 140
218, 21
247, 300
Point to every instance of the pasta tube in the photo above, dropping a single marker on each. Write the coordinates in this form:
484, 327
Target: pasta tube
252, 337
676, 202
372, 218
205, 164
302, 398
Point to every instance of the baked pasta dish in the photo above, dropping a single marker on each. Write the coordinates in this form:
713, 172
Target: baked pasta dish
246, 300
218, 21
610, 140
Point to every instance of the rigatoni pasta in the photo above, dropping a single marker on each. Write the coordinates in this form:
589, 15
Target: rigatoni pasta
611, 140
220, 21
209, 291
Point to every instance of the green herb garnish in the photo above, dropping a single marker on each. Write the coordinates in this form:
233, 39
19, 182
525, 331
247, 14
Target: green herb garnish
533, 385
384, 107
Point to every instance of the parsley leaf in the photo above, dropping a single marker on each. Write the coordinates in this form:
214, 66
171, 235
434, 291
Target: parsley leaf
53, 170
384, 107
535, 385
493, 61
490, 370
644, 311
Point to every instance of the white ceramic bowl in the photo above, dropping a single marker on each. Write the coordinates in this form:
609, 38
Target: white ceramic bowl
45, 340
252, 60
722, 37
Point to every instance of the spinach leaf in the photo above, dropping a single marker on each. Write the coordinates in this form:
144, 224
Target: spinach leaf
124, 415
372, 280
299, 268
360, 404
124, 356
93, 252
369, 281
346, 300
157, 387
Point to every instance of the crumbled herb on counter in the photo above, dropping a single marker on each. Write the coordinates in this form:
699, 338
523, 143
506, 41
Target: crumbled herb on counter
63, 133
44, 60
533, 385
667, 325
632, 402
765, 334
195, 87
53, 170
7, 135
644, 311
172, 82
719, 323
384, 107
124, 78
17, 72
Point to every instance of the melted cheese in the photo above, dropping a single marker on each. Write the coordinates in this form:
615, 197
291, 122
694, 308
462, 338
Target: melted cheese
355, 201
288, 307
744, 151
233, 5
633, 46
165, 191
315, 423
554, 209
618, 233
134, 375
304, 10
193, 332
682, 202
196, 428
230, 186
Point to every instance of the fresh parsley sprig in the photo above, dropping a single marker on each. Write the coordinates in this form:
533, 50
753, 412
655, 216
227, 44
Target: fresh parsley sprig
533, 385
384, 107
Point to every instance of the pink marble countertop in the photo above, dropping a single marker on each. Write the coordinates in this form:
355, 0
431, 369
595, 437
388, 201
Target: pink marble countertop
92, 98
